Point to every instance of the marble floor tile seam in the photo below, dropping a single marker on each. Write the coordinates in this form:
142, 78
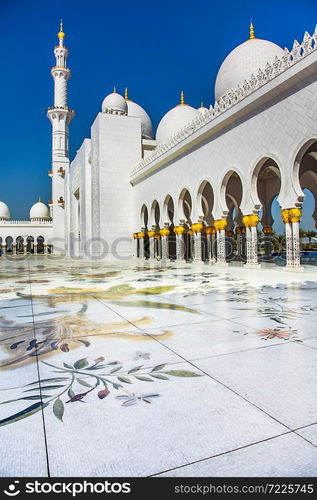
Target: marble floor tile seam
216, 380
40, 391
233, 450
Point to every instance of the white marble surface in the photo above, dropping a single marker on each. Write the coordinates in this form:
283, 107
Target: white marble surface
228, 384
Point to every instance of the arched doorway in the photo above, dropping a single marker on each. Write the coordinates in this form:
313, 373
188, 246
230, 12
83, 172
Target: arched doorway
30, 244
205, 202
185, 211
40, 245
168, 215
232, 192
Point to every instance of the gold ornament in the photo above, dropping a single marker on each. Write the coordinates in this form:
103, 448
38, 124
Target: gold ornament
267, 230
197, 227
220, 224
210, 230
240, 229
179, 230
164, 231
285, 215
295, 214
250, 220
141, 234
151, 233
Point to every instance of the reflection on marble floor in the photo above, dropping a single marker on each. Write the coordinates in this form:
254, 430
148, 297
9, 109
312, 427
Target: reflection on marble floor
103, 359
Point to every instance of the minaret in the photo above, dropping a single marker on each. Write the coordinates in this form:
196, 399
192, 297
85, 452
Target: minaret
60, 116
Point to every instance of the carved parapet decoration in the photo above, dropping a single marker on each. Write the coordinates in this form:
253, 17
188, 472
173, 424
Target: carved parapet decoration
220, 224
179, 230
291, 214
234, 96
164, 232
267, 230
240, 229
210, 230
197, 227
251, 220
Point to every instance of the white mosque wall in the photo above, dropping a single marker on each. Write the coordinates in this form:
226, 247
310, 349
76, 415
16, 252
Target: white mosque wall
275, 122
115, 146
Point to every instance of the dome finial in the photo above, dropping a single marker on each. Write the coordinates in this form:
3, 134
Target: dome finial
126, 94
201, 104
39, 198
114, 90
252, 36
182, 101
61, 33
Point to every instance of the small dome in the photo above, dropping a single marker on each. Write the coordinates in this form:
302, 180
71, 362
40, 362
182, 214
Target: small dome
243, 61
202, 109
175, 119
40, 211
137, 111
115, 104
4, 211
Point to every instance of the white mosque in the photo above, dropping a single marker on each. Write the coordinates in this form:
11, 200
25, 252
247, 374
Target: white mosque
202, 187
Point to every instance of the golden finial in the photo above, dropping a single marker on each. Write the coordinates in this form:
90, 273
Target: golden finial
61, 33
182, 98
201, 104
126, 94
114, 90
252, 36
39, 198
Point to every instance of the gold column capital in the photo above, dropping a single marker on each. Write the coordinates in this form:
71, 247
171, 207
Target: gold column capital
197, 227
250, 220
220, 224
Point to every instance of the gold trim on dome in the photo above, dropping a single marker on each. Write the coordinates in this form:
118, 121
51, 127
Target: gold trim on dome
252, 35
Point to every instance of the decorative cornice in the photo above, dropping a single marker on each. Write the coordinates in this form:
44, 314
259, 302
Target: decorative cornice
227, 101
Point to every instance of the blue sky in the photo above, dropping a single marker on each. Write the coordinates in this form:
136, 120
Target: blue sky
156, 49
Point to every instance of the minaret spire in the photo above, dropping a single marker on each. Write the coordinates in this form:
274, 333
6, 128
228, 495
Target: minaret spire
252, 35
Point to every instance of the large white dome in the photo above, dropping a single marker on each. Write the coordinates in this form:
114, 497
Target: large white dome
137, 111
40, 211
4, 211
175, 119
114, 103
242, 62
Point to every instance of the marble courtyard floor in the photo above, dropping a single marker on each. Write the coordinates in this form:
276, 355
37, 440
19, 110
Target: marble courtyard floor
135, 370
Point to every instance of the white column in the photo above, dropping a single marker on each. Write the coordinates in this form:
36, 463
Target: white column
289, 245
141, 248
35, 248
251, 221
164, 240
197, 247
221, 246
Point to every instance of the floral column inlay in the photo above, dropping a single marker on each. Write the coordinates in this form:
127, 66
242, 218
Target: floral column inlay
220, 226
197, 230
251, 221
179, 231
